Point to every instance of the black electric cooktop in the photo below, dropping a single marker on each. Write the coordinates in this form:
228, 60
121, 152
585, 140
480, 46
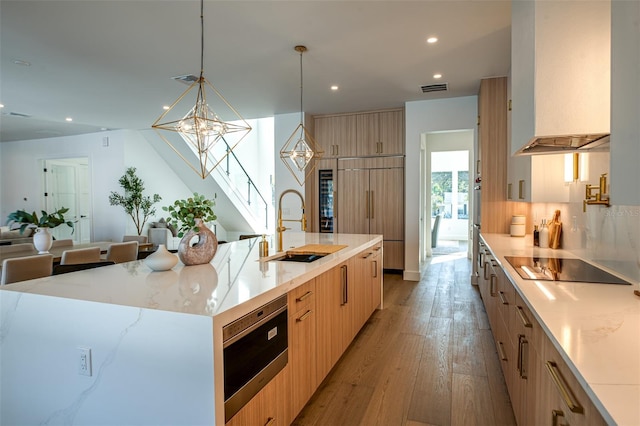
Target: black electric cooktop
559, 269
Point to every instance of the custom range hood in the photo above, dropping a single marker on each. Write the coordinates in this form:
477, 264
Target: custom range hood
560, 76
566, 143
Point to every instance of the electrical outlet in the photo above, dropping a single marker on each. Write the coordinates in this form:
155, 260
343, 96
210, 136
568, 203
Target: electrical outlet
84, 361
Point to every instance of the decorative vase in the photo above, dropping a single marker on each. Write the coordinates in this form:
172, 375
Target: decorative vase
161, 260
201, 252
42, 240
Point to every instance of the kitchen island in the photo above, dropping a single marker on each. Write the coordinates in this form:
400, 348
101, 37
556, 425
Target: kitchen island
595, 329
154, 339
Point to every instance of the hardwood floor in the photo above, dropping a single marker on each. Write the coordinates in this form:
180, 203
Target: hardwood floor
428, 358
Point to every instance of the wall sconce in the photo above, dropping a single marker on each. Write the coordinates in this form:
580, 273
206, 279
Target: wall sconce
576, 167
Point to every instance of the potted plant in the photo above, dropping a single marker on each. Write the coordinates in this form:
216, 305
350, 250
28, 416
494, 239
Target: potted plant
139, 207
43, 239
189, 217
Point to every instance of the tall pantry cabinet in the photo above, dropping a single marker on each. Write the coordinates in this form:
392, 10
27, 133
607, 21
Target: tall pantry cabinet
365, 153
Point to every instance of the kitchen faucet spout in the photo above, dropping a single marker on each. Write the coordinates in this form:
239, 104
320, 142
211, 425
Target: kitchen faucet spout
303, 220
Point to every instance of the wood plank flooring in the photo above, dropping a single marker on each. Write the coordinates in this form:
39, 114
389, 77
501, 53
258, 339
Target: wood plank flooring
428, 358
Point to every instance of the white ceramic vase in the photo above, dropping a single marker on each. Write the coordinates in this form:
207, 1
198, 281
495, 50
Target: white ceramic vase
42, 240
201, 252
161, 260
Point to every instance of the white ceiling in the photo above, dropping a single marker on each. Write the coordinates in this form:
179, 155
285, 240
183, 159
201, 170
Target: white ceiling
108, 64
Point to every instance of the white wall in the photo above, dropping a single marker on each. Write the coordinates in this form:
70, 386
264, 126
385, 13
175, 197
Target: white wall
22, 184
149, 367
425, 117
285, 124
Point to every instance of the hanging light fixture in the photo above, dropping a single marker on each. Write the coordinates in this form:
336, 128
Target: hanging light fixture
300, 153
201, 127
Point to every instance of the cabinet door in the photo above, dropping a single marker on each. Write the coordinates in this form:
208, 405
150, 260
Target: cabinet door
302, 345
353, 208
268, 407
391, 133
380, 133
386, 197
333, 320
367, 134
336, 135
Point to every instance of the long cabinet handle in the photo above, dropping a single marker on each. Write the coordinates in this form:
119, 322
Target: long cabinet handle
304, 316
502, 299
502, 354
521, 189
304, 296
523, 356
367, 206
368, 255
492, 280
555, 415
375, 268
509, 191
372, 214
270, 421
345, 285
564, 390
523, 317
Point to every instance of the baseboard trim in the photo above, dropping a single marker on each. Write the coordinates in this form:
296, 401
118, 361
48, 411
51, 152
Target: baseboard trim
411, 276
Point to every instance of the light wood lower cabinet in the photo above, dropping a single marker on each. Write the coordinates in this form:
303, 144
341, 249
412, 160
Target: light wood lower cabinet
302, 344
325, 314
268, 407
542, 388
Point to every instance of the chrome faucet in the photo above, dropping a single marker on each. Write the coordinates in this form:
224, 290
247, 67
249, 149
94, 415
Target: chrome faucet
303, 220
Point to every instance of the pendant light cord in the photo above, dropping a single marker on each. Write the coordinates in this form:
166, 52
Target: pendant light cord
201, 38
301, 86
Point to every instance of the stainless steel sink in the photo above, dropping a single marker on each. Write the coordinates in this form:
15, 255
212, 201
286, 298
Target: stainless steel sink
301, 257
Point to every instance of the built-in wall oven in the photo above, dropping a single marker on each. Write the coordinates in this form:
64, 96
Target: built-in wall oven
254, 351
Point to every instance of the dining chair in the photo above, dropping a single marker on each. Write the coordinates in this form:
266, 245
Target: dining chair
141, 239
84, 255
123, 252
26, 268
13, 248
61, 243
63, 269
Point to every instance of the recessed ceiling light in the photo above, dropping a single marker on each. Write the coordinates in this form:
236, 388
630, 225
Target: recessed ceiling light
334, 88
437, 76
1, 106
68, 119
432, 40
166, 107
22, 63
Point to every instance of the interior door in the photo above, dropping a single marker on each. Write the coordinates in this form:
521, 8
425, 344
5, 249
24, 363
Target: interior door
67, 185
353, 201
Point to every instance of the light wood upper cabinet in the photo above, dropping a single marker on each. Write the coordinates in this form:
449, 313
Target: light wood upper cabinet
625, 103
336, 135
380, 133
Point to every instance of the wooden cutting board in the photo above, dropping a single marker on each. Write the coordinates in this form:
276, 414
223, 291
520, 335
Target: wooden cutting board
317, 248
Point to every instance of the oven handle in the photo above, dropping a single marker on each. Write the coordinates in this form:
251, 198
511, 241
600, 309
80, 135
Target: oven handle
248, 330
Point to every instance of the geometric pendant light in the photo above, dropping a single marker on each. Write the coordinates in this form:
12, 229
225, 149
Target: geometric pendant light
300, 153
202, 127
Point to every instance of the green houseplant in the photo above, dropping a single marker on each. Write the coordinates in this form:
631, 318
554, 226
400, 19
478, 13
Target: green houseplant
46, 220
183, 213
139, 207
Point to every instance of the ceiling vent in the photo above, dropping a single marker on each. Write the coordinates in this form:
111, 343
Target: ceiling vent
186, 79
440, 87
15, 114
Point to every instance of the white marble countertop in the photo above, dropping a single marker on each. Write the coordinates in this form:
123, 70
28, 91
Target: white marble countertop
235, 282
595, 327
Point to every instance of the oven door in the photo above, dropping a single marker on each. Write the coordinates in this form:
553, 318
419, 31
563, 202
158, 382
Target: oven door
254, 356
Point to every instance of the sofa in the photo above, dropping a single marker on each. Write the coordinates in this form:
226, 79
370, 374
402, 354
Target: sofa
162, 233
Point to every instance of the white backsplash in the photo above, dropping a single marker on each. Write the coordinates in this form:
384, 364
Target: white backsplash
609, 236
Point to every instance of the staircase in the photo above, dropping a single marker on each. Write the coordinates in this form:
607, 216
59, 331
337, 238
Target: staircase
241, 208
